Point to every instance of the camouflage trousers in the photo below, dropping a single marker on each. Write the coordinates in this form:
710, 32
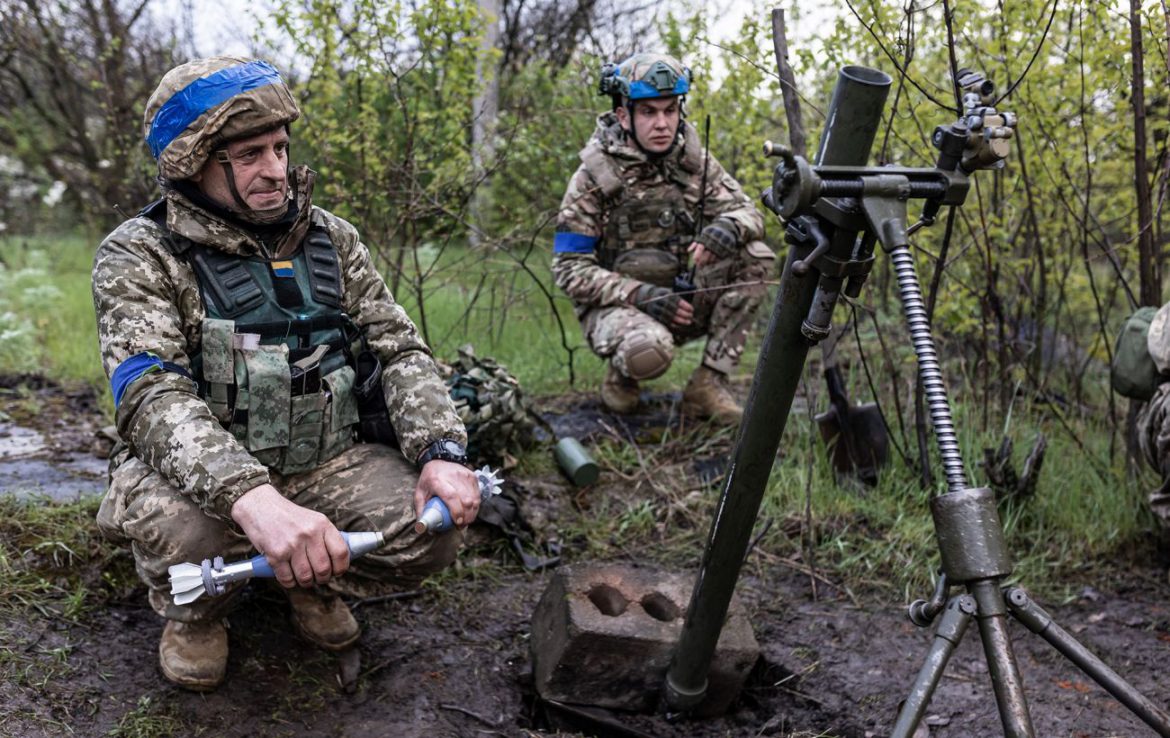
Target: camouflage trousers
368, 487
728, 294
1153, 433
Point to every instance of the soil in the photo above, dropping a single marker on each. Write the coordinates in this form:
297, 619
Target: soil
455, 660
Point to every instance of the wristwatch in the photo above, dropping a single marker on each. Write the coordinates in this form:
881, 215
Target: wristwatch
444, 449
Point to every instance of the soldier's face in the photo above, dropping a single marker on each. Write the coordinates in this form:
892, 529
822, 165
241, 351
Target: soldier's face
655, 122
260, 167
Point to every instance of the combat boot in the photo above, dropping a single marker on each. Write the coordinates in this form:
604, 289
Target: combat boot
707, 396
194, 655
323, 619
619, 392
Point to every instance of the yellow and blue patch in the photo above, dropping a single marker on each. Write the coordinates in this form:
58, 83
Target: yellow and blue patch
283, 269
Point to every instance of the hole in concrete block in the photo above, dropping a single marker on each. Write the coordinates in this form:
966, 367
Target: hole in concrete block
660, 607
608, 600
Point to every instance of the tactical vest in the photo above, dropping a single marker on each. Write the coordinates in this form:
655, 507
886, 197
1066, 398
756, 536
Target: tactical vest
275, 363
650, 217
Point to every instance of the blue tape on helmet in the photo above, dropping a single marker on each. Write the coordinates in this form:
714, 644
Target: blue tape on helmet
573, 243
642, 90
186, 105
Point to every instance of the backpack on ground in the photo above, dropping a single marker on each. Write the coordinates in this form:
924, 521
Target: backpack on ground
1134, 373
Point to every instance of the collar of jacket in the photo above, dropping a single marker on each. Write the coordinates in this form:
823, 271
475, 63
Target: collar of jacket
201, 226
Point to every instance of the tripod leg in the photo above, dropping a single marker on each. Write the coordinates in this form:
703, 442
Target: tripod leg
1001, 660
955, 619
1039, 622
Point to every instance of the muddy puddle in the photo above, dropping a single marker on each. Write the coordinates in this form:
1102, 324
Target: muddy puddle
50, 444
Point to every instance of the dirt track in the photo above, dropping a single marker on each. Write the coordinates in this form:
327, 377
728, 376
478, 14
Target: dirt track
455, 662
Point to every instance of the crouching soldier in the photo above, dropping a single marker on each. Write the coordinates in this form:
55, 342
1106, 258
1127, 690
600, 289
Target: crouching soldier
237, 324
625, 232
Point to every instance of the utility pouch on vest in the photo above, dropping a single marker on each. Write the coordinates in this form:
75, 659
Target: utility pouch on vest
371, 401
341, 414
268, 397
1133, 373
653, 266
218, 366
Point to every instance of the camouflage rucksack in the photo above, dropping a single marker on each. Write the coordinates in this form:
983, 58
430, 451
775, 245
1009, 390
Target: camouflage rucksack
491, 404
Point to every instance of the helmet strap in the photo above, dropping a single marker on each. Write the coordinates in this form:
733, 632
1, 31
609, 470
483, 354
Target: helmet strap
246, 212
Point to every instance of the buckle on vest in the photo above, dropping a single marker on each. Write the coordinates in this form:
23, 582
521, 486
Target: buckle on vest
305, 374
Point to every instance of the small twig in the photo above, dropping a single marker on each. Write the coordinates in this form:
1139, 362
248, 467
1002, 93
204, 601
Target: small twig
754, 541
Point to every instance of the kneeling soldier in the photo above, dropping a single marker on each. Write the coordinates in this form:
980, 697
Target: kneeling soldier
626, 229
238, 323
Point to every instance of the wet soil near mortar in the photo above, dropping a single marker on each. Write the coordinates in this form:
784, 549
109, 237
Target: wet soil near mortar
454, 660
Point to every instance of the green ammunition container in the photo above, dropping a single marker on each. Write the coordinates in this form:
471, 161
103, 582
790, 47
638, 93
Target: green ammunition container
576, 462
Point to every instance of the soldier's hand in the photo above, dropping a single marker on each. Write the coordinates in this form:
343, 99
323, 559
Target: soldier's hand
662, 304
701, 255
301, 545
720, 238
454, 484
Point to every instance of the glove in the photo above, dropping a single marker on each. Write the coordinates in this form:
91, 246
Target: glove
721, 237
660, 303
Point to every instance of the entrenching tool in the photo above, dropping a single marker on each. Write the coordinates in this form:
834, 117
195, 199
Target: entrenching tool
436, 518
836, 211
856, 435
189, 582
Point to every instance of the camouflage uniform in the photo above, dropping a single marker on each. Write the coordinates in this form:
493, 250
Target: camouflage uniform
173, 487
1153, 420
619, 200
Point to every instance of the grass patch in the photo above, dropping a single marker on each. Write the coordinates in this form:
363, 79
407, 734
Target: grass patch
148, 719
47, 322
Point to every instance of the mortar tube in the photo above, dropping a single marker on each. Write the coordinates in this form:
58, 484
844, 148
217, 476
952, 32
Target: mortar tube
853, 120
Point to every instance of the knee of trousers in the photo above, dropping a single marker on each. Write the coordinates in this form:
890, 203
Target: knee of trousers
645, 354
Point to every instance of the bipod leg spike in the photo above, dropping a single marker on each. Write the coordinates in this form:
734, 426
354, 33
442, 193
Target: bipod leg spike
955, 619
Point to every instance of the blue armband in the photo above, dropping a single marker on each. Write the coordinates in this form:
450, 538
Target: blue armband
135, 367
573, 243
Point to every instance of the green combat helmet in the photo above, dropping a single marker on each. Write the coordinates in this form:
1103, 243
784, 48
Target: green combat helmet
645, 77
202, 105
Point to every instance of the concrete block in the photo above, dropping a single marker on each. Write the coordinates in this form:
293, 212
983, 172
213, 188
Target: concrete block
603, 635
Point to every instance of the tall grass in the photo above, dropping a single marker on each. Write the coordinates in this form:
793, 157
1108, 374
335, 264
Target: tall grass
47, 323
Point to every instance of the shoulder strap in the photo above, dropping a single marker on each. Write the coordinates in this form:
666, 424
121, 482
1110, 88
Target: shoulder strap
323, 266
226, 278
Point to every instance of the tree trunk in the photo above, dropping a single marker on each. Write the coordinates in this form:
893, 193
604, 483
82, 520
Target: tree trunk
485, 109
1148, 266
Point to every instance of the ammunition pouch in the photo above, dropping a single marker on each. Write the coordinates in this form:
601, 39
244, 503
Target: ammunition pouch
652, 266
373, 415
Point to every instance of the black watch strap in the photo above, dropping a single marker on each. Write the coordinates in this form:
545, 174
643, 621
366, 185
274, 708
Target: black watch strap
444, 449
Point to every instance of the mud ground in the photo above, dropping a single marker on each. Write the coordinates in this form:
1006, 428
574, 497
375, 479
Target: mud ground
453, 659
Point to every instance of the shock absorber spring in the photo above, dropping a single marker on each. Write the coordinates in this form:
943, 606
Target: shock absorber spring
928, 369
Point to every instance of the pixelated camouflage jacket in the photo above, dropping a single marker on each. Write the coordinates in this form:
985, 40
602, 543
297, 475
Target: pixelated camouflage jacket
148, 299
585, 209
